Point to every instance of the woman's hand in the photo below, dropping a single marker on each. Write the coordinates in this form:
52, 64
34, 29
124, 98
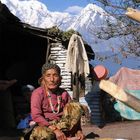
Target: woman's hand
80, 135
60, 135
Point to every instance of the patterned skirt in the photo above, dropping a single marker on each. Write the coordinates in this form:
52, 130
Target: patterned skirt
69, 124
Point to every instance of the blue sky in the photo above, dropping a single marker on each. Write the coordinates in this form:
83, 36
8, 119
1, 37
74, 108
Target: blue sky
65, 5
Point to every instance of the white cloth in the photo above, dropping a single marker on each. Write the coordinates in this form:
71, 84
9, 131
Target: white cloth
76, 59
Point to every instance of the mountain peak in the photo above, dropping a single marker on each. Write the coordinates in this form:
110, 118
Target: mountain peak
95, 8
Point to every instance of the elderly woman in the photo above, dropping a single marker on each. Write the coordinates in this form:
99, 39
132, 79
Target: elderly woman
56, 116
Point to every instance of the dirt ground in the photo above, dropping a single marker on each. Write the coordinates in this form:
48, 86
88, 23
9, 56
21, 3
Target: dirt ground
127, 129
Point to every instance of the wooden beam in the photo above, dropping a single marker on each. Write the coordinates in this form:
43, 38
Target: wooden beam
119, 94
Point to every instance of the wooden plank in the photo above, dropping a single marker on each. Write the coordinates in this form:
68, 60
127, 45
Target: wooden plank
119, 94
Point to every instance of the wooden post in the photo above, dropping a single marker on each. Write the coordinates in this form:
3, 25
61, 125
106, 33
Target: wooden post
133, 14
120, 94
47, 52
76, 86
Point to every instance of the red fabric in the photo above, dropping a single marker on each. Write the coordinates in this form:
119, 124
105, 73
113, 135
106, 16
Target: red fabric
40, 107
127, 78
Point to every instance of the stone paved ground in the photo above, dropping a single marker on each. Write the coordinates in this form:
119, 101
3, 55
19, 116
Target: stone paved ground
128, 129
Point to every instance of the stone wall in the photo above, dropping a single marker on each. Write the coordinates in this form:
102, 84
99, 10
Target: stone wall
58, 56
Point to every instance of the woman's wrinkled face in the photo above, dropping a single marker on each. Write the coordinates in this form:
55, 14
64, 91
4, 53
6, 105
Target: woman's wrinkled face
52, 79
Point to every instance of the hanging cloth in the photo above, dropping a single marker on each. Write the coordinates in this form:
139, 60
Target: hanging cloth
76, 59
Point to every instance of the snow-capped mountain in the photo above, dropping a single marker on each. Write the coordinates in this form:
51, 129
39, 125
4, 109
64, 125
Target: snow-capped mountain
89, 22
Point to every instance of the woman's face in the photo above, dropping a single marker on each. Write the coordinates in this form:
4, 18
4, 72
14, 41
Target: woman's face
52, 79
